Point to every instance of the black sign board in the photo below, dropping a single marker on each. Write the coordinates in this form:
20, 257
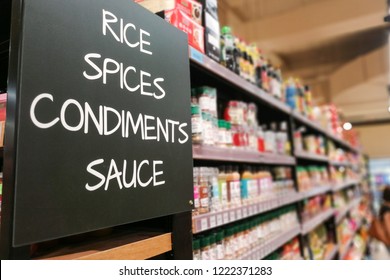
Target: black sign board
103, 131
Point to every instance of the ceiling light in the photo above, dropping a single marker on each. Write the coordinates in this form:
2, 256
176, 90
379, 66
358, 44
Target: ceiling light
347, 126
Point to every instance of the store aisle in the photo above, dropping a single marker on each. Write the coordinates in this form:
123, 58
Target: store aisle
379, 251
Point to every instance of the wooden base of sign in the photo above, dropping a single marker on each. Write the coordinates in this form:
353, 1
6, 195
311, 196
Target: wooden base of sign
123, 246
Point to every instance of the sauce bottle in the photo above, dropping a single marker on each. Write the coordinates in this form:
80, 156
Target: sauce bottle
246, 180
203, 191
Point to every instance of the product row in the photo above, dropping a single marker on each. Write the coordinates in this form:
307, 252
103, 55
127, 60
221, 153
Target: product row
313, 176
217, 189
238, 128
315, 205
232, 242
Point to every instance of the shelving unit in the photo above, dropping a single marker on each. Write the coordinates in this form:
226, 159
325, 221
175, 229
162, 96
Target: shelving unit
203, 223
176, 232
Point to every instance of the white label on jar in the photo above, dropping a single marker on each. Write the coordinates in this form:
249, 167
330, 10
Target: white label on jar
229, 137
204, 202
234, 116
197, 256
213, 252
236, 193
204, 102
220, 252
196, 125
229, 250
224, 194
221, 136
205, 254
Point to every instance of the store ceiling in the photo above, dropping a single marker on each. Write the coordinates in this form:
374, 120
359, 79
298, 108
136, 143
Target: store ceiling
318, 40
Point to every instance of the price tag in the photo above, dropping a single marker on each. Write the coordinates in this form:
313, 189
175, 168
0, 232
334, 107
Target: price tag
238, 214
219, 220
213, 222
232, 216
196, 55
245, 212
203, 224
226, 217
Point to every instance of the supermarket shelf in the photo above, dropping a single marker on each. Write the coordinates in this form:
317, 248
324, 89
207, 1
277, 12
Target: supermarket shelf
212, 220
331, 255
125, 246
347, 184
316, 191
306, 121
310, 156
209, 65
203, 152
264, 250
316, 221
340, 214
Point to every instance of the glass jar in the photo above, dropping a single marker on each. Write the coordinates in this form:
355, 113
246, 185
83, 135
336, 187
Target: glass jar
196, 125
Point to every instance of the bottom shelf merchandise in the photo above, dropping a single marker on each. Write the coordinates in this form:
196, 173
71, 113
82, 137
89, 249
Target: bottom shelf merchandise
237, 240
289, 251
320, 245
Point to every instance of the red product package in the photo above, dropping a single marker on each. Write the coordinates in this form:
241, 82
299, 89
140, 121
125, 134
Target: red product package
191, 8
183, 22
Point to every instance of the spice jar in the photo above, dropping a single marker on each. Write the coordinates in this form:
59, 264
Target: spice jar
196, 125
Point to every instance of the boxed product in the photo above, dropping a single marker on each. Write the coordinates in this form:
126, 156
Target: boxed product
191, 8
185, 23
212, 29
156, 5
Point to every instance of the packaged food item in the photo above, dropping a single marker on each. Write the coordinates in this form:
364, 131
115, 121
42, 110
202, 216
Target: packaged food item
211, 29
191, 8
228, 52
194, 30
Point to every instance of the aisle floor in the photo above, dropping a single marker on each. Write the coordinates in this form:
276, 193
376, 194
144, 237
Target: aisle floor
379, 251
